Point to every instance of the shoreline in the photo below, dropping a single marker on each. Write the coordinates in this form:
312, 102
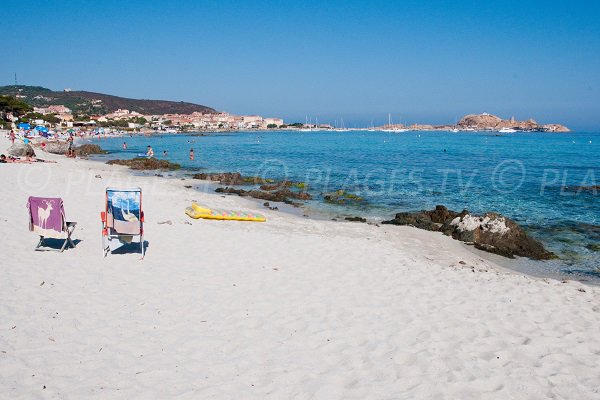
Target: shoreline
313, 210
292, 307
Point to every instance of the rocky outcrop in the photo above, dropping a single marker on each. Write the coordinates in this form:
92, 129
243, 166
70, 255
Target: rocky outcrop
283, 195
356, 219
490, 232
480, 121
232, 178
487, 121
88, 149
146, 164
20, 149
56, 147
555, 128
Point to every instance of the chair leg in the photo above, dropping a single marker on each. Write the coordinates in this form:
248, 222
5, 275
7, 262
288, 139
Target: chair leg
64, 246
142, 245
69, 233
105, 246
40, 243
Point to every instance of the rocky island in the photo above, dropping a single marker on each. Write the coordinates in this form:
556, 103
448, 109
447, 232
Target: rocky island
486, 122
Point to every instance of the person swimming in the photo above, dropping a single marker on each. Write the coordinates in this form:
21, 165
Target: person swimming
150, 152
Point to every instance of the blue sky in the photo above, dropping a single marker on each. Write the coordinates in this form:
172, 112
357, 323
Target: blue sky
422, 61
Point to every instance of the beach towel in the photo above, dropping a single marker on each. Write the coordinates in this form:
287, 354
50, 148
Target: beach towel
46, 216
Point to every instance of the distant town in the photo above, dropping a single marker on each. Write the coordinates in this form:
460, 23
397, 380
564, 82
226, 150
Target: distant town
135, 120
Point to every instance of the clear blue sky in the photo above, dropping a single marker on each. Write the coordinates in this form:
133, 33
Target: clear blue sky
423, 61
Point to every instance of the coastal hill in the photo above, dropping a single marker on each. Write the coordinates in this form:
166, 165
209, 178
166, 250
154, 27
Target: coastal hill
82, 102
487, 121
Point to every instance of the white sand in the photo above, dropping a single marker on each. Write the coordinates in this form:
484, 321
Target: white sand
289, 309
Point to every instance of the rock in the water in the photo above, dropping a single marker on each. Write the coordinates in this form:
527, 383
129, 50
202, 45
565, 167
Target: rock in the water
593, 188
341, 197
491, 232
283, 195
232, 178
226, 178
146, 164
19, 149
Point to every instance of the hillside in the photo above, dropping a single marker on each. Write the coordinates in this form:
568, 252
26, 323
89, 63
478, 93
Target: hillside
82, 102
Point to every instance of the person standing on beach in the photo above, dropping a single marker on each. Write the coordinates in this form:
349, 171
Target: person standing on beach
12, 136
70, 151
150, 152
191, 154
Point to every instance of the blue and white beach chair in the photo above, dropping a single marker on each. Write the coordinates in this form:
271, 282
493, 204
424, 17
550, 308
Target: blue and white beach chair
122, 218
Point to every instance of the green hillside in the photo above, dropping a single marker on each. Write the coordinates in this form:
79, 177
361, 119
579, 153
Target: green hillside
89, 103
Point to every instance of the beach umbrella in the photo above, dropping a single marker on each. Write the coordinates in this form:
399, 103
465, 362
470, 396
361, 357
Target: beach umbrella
24, 125
41, 129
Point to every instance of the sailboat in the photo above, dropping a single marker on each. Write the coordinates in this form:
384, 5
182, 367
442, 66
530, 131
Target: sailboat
309, 129
371, 128
342, 128
390, 128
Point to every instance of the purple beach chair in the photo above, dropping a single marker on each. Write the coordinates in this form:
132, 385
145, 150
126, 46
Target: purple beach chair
47, 219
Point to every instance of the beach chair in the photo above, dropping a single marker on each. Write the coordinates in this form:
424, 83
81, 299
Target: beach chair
122, 218
47, 219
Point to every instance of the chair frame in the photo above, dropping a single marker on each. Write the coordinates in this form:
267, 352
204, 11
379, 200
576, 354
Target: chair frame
109, 233
68, 228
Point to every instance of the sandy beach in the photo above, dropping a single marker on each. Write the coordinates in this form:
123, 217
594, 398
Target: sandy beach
292, 308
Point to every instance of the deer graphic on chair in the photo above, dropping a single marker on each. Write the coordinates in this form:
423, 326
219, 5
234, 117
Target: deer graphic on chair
44, 213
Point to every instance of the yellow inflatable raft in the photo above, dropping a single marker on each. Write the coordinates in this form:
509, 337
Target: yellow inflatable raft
197, 211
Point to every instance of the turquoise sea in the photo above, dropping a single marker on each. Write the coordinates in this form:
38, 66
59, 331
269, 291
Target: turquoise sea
528, 177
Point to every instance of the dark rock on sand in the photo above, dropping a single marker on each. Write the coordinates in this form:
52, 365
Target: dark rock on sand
490, 232
497, 234
428, 220
355, 219
146, 164
19, 149
88, 149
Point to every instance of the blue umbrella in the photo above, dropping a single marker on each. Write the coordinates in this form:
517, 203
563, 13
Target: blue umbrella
24, 125
41, 128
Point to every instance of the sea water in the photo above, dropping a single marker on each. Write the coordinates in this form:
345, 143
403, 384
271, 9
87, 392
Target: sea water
531, 178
